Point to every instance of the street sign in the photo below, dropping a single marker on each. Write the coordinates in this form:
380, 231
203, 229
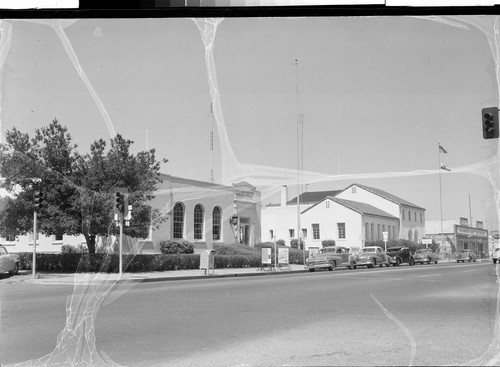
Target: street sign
385, 236
427, 241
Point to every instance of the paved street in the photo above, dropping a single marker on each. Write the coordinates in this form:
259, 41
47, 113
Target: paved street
423, 315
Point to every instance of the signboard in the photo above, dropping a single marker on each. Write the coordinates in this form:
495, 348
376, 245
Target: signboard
385, 236
283, 255
313, 251
427, 241
266, 255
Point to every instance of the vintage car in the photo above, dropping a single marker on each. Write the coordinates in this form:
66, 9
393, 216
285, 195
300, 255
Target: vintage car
8, 262
495, 255
400, 255
425, 255
331, 257
372, 256
465, 255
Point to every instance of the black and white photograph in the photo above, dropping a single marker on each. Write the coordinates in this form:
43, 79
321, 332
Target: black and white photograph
250, 183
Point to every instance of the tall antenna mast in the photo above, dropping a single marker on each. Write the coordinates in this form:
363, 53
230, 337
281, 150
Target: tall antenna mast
211, 143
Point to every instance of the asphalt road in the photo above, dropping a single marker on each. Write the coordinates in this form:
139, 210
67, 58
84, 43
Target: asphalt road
423, 315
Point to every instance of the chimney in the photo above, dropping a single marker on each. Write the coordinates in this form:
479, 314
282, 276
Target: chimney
284, 195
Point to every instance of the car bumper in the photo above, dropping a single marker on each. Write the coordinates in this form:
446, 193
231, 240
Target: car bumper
319, 266
364, 262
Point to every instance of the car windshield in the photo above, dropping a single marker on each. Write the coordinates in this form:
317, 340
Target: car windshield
364, 250
326, 250
422, 251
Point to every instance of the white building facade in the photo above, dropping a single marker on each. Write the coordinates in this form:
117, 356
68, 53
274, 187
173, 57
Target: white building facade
354, 215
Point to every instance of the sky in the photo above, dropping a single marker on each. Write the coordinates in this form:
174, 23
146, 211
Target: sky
376, 95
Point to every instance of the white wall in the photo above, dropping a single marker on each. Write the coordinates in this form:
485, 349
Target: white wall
44, 243
327, 214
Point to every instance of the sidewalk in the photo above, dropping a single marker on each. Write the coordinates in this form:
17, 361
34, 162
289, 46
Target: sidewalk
26, 276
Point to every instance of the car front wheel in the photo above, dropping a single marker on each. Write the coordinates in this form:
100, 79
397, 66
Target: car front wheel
15, 271
332, 266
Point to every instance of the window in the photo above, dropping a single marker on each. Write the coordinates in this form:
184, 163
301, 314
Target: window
315, 229
304, 233
421, 221
198, 222
409, 215
327, 203
341, 229
379, 234
367, 228
353, 189
409, 234
271, 233
403, 213
372, 234
291, 233
415, 217
10, 238
216, 223
58, 237
178, 220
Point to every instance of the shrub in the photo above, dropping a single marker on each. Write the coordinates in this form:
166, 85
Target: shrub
326, 243
293, 243
176, 247
68, 249
234, 249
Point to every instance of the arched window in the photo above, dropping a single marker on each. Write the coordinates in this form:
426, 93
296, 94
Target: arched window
198, 222
216, 223
178, 220
415, 236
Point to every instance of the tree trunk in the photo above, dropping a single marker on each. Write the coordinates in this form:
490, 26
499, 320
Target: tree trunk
90, 238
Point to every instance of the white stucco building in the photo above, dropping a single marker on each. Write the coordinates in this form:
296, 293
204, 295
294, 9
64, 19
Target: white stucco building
350, 216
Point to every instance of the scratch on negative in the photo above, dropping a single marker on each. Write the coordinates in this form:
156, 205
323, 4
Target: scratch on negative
402, 326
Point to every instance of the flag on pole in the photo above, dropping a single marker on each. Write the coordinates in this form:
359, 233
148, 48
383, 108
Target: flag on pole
441, 149
444, 167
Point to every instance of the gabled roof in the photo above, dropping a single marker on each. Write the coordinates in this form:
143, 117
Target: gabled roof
361, 208
385, 195
313, 197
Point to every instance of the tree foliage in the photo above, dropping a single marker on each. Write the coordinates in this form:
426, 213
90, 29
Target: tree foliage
78, 188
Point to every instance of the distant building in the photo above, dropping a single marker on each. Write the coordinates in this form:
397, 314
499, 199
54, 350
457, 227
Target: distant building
458, 235
355, 215
347, 222
411, 216
200, 212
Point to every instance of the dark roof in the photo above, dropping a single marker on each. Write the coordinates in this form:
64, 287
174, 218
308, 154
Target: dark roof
386, 195
313, 196
359, 207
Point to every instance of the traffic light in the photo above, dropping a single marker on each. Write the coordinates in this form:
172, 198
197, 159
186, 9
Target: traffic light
38, 200
119, 202
489, 117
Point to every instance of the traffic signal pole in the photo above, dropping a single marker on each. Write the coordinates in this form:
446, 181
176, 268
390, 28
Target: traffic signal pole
120, 218
34, 244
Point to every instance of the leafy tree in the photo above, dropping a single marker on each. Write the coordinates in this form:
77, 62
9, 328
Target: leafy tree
78, 188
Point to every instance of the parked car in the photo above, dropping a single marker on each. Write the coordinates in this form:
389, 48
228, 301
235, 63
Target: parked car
425, 255
495, 255
372, 256
400, 255
8, 262
330, 258
465, 255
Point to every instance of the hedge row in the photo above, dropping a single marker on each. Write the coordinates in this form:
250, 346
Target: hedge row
109, 263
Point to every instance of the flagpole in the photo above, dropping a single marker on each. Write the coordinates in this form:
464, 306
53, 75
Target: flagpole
440, 198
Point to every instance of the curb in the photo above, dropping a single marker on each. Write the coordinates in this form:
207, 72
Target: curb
211, 276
